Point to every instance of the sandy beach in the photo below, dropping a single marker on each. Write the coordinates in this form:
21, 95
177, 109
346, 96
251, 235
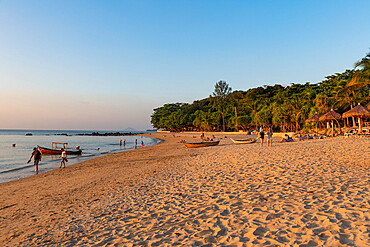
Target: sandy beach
306, 193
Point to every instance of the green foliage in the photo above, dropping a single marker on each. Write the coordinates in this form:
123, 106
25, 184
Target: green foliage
160, 117
242, 122
222, 90
206, 121
220, 93
279, 107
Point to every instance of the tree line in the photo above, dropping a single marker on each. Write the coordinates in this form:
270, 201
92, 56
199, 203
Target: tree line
283, 108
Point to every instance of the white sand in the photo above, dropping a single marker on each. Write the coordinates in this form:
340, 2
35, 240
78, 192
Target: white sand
309, 193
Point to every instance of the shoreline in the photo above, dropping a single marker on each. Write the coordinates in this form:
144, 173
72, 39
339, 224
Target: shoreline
311, 192
50, 162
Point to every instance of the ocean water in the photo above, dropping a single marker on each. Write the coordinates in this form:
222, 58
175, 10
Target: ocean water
13, 160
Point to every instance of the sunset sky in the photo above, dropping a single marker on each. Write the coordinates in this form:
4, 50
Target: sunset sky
104, 65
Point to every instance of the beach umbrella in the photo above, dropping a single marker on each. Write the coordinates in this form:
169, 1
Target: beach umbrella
330, 116
315, 118
358, 111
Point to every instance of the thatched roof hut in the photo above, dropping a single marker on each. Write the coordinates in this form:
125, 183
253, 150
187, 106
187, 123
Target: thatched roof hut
368, 106
330, 116
314, 118
357, 111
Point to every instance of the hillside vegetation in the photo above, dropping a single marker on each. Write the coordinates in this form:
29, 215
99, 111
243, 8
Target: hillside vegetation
282, 108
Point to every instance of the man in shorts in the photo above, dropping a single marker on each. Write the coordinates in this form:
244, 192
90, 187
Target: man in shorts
36, 154
64, 158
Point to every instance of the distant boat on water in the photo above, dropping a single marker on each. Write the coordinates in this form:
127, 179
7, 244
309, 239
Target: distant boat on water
57, 149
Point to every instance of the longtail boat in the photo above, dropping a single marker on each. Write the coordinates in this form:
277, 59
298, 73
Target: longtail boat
246, 141
201, 144
57, 149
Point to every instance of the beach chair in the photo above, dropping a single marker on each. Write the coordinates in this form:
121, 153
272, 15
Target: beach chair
364, 133
349, 133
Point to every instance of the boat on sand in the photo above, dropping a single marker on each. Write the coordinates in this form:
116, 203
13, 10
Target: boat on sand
201, 144
246, 141
57, 149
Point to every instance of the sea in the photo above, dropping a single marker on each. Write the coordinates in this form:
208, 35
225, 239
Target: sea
16, 147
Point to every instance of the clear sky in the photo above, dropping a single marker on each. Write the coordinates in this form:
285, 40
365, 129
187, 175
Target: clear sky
106, 64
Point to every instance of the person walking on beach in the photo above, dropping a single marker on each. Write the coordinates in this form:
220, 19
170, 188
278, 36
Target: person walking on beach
36, 154
124, 142
142, 144
64, 159
261, 135
120, 142
135, 143
269, 137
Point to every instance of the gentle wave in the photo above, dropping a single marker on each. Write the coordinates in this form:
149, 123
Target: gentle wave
13, 159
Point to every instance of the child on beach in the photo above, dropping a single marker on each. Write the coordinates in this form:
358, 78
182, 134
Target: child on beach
36, 159
64, 159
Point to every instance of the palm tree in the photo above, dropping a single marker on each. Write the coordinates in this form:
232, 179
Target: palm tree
364, 76
221, 91
252, 105
361, 78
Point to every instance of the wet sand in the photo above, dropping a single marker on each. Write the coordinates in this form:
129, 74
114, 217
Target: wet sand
307, 193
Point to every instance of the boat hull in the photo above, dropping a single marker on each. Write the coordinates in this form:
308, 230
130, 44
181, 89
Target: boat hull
243, 141
50, 151
201, 144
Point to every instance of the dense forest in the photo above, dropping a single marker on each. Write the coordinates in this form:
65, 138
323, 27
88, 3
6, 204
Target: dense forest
284, 108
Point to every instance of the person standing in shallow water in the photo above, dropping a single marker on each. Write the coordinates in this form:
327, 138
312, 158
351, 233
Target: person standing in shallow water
36, 154
261, 135
64, 158
135, 143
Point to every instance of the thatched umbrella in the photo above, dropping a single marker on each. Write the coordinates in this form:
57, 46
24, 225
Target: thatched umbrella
358, 111
331, 116
315, 118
